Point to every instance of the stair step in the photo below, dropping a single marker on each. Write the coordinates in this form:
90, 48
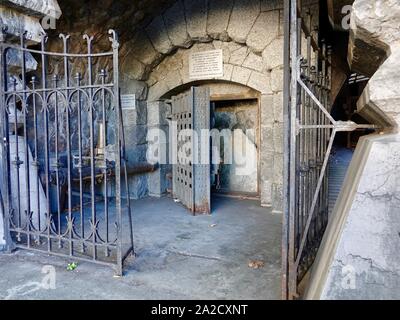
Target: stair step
337, 173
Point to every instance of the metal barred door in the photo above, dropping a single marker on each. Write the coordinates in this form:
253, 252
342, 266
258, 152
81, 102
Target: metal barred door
62, 149
191, 167
310, 136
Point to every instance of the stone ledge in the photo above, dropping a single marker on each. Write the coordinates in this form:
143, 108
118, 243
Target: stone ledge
374, 51
380, 100
16, 22
39, 8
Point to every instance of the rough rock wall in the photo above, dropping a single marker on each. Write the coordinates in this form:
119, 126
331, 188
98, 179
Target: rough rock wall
375, 44
156, 38
358, 258
17, 17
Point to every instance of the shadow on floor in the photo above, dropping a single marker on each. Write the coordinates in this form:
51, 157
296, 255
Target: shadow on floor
179, 256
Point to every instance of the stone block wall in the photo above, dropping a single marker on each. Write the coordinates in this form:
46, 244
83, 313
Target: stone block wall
135, 125
157, 38
250, 34
159, 147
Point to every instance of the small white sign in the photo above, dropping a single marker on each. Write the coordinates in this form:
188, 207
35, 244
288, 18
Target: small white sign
206, 65
128, 101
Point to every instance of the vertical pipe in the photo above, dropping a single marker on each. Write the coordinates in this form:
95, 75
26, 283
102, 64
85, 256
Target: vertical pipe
46, 143
56, 164
327, 132
128, 197
92, 155
299, 146
68, 124
17, 160
309, 131
24, 101
314, 142
116, 102
286, 145
80, 164
103, 132
36, 159
293, 129
321, 212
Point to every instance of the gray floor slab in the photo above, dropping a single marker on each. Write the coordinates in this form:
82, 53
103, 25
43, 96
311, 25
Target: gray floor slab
178, 257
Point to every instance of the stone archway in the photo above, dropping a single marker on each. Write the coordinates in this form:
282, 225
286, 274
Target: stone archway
250, 34
172, 74
241, 66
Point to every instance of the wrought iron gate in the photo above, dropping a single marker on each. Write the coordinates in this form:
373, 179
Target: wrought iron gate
62, 152
191, 168
310, 134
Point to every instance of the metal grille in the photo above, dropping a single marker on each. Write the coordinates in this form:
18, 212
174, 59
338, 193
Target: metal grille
182, 114
311, 134
62, 145
191, 173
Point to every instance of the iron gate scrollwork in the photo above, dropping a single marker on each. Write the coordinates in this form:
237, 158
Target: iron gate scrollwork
63, 154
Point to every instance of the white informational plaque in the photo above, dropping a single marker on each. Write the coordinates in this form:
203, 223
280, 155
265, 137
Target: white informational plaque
128, 101
206, 65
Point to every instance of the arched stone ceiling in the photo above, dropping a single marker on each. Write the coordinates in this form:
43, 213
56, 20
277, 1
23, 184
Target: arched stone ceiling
150, 29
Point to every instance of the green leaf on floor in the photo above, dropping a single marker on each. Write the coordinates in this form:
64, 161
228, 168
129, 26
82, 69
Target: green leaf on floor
72, 266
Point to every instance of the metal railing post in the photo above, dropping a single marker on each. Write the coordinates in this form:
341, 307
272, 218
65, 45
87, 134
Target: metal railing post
292, 280
5, 196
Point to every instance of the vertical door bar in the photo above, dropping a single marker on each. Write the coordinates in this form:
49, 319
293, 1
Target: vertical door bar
286, 146
68, 124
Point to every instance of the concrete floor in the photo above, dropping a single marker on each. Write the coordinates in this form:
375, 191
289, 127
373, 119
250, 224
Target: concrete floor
178, 257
